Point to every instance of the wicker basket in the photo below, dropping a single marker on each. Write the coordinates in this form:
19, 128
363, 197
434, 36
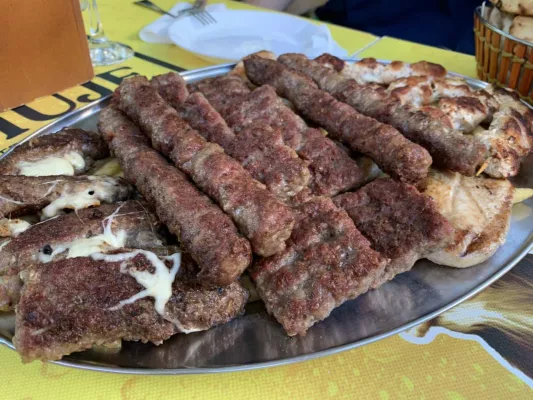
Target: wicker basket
502, 58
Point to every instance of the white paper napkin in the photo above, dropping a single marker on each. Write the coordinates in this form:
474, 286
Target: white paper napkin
315, 40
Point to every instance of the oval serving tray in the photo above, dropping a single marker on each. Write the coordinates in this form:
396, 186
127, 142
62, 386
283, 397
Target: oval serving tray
256, 340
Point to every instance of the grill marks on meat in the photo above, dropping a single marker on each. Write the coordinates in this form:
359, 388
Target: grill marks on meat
401, 224
480, 211
26, 194
261, 217
449, 148
204, 230
88, 145
38, 242
327, 261
259, 149
67, 306
392, 152
332, 169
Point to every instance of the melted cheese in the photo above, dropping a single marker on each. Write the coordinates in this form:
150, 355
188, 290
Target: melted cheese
102, 189
69, 164
13, 227
86, 246
108, 167
73, 201
4, 244
157, 285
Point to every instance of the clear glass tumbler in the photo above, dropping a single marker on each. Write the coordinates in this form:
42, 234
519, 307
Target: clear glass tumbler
103, 51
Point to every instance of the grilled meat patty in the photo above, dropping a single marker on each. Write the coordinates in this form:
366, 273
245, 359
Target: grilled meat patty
402, 224
73, 304
69, 152
74, 235
327, 261
479, 209
260, 150
21, 195
391, 151
261, 217
332, 169
204, 230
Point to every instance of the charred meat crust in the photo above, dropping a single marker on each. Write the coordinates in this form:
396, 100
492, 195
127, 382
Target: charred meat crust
88, 144
261, 217
402, 224
204, 230
392, 152
67, 306
327, 261
449, 148
259, 149
332, 169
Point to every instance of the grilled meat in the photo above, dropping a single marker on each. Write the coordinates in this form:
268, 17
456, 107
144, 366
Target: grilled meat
204, 230
392, 152
401, 224
449, 148
332, 170
221, 91
464, 107
509, 136
480, 211
71, 305
21, 195
327, 261
75, 235
69, 152
261, 217
259, 149
369, 70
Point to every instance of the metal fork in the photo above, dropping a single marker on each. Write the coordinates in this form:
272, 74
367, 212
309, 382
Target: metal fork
197, 10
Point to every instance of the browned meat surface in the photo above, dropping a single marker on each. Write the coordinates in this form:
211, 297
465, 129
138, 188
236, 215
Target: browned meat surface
89, 147
261, 217
221, 91
71, 305
392, 152
332, 169
26, 194
204, 230
327, 261
172, 88
401, 223
90, 230
260, 150
449, 148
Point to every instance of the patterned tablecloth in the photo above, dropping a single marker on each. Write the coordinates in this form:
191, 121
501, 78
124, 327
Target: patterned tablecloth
480, 349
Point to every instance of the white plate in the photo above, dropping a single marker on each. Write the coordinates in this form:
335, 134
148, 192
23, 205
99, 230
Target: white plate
239, 33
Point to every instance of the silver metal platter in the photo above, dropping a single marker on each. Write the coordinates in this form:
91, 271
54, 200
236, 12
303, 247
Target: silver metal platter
256, 340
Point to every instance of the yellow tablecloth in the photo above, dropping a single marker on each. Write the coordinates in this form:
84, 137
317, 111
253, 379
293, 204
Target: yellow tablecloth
440, 362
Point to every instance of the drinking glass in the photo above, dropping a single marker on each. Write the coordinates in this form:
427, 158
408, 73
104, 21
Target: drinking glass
103, 51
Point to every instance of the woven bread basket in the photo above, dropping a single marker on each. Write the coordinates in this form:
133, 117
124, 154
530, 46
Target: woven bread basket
502, 58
